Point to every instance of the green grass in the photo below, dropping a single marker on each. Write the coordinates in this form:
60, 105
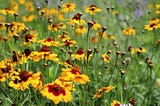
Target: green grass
139, 80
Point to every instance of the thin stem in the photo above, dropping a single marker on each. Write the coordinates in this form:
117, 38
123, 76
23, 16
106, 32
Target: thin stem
88, 36
6, 95
113, 70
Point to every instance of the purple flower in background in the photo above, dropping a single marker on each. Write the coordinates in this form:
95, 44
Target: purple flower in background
121, 17
37, 3
138, 13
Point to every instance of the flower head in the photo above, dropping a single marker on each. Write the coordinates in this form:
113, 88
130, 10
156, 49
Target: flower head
101, 90
92, 9
56, 92
115, 103
105, 57
68, 7
129, 31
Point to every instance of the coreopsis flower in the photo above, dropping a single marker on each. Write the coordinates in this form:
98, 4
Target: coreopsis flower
69, 42
21, 58
150, 6
111, 37
158, 8
14, 5
76, 20
96, 26
28, 18
7, 11
92, 9
129, 31
30, 37
15, 28
74, 74
105, 57
2, 18
21, 80
94, 39
68, 7
21, 1
36, 80
67, 84
64, 37
79, 55
2, 78
79, 30
2, 26
56, 92
138, 50
29, 6
115, 103
102, 90
5, 73
153, 24
52, 56
56, 27
36, 56
102, 34
49, 42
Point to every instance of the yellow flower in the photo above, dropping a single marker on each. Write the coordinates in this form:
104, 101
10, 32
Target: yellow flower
49, 42
56, 27
68, 7
7, 11
105, 57
53, 57
30, 37
80, 54
69, 43
21, 1
150, 6
29, 6
2, 26
129, 31
1, 19
153, 24
108, 89
36, 56
36, 80
92, 9
102, 34
111, 37
14, 5
94, 39
138, 50
21, 81
115, 103
80, 30
74, 74
158, 8
56, 92
96, 26
101, 90
28, 18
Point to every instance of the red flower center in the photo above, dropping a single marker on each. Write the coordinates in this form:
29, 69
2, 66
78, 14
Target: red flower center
28, 37
45, 49
80, 51
75, 70
24, 76
56, 89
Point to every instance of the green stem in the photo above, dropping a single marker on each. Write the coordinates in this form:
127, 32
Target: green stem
6, 95
113, 70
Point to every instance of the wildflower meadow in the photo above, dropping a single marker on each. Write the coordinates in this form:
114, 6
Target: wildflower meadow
79, 53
